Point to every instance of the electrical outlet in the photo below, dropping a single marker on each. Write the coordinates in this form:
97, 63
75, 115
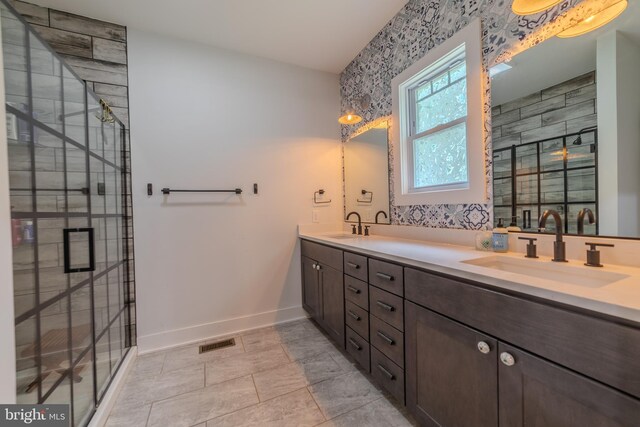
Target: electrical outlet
315, 216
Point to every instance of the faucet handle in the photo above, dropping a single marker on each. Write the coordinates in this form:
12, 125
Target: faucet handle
593, 255
532, 249
353, 229
595, 245
366, 230
530, 239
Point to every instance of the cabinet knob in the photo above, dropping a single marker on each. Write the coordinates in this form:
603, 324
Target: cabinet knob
484, 347
318, 267
314, 266
507, 359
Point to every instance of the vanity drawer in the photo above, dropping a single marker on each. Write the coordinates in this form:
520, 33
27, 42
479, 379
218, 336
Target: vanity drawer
358, 347
388, 340
356, 291
355, 265
323, 254
387, 276
357, 319
606, 350
387, 307
387, 374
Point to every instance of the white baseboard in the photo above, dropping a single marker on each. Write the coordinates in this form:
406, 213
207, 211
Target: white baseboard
109, 400
197, 333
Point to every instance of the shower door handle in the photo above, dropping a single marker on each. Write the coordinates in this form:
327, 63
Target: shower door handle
67, 250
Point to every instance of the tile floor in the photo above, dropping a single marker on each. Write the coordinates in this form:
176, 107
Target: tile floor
285, 375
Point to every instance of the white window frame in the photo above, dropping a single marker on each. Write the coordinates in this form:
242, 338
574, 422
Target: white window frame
474, 190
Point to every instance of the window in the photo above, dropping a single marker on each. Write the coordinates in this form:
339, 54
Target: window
437, 101
437, 140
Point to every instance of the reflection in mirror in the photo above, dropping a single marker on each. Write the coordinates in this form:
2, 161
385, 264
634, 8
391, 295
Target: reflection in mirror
366, 175
566, 132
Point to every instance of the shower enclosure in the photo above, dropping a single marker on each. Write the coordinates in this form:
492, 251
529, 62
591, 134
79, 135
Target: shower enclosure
69, 239
559, 173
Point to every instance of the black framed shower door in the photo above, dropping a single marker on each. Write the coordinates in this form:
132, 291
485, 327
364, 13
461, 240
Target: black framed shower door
66, 170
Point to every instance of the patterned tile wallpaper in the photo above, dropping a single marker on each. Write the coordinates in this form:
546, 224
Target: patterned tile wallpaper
417, 28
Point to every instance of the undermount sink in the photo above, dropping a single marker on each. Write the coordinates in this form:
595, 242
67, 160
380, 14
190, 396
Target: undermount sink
342, 236
558, 272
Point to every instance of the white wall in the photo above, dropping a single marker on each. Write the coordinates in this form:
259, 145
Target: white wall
7, 326
205, 118
618, 135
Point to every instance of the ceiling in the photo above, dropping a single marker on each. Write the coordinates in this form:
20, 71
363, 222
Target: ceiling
557, 60
319, 34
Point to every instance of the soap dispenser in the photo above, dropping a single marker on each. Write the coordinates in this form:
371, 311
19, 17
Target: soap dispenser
500, 237
513, 226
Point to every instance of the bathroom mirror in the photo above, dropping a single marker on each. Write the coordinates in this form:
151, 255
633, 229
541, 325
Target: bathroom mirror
366, 175
566, 132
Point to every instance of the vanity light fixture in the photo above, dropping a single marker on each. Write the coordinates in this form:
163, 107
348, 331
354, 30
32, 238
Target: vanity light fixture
530, 7
595, 21
350, 119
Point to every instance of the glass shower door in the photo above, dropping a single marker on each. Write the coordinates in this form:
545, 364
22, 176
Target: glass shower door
66, 207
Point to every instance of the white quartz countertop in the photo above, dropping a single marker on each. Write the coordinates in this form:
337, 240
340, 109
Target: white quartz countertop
620, 298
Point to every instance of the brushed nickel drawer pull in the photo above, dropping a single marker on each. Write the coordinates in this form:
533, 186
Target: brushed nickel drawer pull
382, 335
352, 265
385, 276
386, 372
354, 290
385, 306
355, 344
354, 315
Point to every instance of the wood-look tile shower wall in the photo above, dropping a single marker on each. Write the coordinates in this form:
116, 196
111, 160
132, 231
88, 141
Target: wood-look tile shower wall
97, 52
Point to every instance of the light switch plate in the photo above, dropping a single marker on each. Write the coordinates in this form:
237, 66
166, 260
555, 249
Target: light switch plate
315, 216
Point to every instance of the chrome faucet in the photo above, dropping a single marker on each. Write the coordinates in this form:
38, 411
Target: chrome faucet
383, 213
359, 221
559, 247
581, 214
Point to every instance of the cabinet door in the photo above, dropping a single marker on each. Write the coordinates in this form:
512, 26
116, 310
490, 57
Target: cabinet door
310, 288
537, 393
450, 382
332, 294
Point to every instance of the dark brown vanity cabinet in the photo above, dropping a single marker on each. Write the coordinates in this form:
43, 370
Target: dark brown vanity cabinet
466, 354
497, 384
323, 288
356, 291
450, 380
310, 287
535, 392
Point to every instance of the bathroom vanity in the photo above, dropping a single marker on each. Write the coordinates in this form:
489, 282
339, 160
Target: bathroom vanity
434, 324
